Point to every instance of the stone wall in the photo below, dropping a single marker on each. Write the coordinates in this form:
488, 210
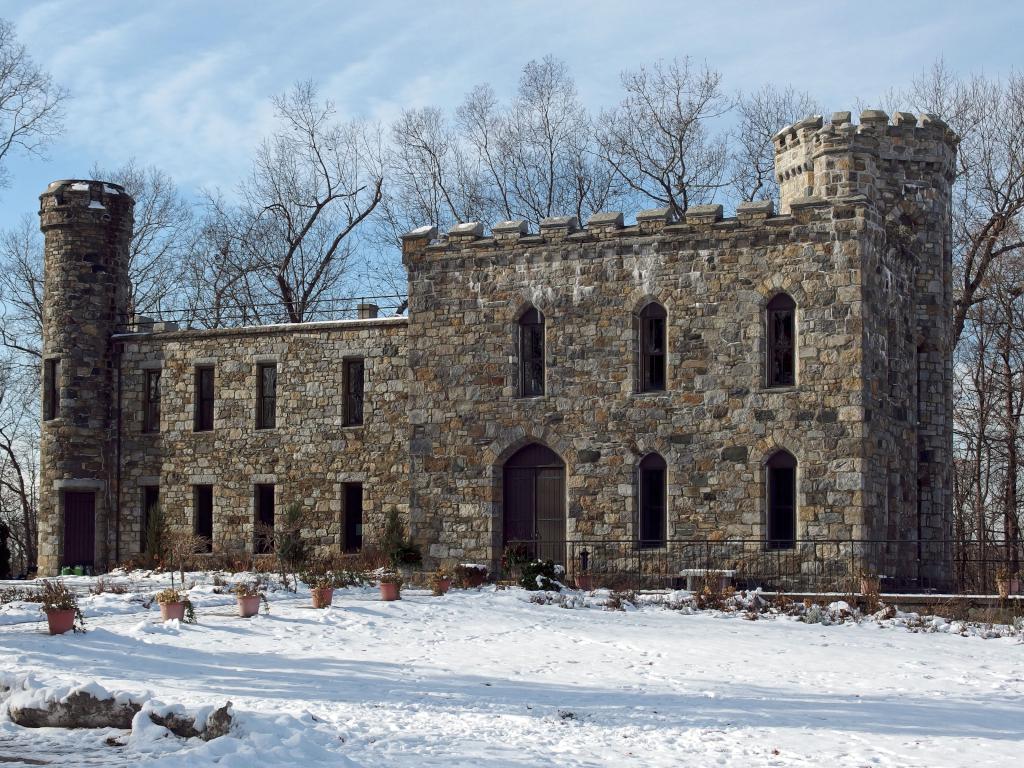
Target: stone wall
715, 424
308, 455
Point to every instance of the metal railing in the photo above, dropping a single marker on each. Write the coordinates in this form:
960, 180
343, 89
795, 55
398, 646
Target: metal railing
821, 565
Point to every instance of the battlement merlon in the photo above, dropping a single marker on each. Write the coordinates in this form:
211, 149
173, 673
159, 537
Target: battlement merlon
84, 201
842, 159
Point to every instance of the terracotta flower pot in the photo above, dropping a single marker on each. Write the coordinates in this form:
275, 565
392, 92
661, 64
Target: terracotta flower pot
389, 592
322, 597
441, 586
60, 621
172, 611
248, 606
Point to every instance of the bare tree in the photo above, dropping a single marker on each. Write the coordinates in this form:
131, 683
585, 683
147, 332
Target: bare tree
31, 104
661, 139
312, 185
762, 114
19, 443
163, 235
21, 285
988, 205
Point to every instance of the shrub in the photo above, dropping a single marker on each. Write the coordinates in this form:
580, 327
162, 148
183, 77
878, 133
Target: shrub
54, 595
103, 585
541, 574
470, 574
399, 549
391, 577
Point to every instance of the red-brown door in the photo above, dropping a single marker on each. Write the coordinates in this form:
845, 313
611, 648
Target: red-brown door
534, 502
79, 528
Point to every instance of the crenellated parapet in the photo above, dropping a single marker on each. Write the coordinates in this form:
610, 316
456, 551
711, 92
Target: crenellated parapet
843, 159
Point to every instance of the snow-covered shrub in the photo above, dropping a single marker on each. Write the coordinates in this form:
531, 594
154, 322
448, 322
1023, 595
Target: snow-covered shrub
541, 575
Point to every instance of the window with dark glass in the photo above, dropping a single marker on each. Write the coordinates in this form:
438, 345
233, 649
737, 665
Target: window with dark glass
202, 500
353, 513
204, 399
51, 389
353, 392
780, 472
531, 353
781, 318
264, 504
651, 531
150, 513
151, 402
266, 396
652, 348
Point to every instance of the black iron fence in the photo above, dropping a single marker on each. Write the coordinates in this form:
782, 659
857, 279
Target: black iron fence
832, 565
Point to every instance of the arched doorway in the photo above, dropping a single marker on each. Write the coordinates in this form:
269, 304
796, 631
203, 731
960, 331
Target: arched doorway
533, 502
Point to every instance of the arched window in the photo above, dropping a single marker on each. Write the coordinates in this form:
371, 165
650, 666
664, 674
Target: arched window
780, 477
652, 348
651, 522
531, 353
781, 322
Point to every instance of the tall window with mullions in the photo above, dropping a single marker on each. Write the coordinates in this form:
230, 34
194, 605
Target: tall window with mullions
531, 353
266, 396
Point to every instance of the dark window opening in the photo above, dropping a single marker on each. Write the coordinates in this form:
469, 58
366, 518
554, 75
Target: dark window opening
652, 348
780, 472
203, 510
531, 353
353, 523
264, 502
266, 396
652, 502
51, 389
204, 399
151, 403
781, 319
150, 515
354, 392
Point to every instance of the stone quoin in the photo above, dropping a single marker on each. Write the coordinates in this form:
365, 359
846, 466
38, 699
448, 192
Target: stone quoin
775, 376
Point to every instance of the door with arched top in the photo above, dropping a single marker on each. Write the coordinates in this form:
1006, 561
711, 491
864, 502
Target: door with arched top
534, 502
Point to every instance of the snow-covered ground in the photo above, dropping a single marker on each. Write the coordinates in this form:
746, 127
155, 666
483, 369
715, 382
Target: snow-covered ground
487, 677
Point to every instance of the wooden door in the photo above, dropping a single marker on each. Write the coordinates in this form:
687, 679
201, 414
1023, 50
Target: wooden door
534, 502
79, 528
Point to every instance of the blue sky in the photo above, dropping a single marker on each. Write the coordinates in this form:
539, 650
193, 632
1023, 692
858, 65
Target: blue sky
185, 85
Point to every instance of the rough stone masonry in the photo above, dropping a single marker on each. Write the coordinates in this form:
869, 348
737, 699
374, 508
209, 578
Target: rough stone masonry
861, 246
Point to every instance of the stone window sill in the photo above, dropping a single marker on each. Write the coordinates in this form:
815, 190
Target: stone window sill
780, 390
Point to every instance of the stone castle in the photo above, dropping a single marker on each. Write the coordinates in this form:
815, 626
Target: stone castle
781, 378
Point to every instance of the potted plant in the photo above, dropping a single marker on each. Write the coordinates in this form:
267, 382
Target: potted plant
470, 575
1006, 582
249, 595
390, 585
440, 581
60, 605
321, 583
174, 604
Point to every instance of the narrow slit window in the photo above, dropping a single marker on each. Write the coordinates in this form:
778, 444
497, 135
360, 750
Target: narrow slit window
151, 403
781, 319
51, 389
266, 396
204, 399
652, 518
652, 348
354, 372
531, 353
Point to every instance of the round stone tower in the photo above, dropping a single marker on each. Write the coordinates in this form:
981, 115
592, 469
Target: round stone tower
87, 227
